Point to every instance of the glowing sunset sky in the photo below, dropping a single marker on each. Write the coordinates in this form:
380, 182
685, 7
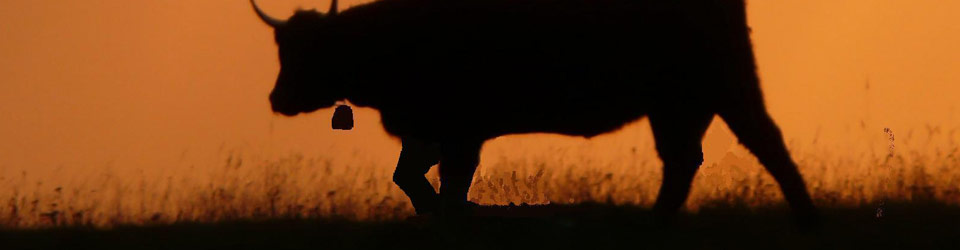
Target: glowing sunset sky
156, 83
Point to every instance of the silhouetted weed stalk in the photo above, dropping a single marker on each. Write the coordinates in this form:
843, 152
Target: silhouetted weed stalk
300, 187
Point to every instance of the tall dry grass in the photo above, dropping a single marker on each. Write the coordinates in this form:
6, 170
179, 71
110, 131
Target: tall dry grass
299, 186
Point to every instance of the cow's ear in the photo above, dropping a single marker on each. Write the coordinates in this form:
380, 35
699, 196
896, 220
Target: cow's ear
333, 8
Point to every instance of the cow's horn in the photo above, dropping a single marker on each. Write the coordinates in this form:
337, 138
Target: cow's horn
333, 8
273, 22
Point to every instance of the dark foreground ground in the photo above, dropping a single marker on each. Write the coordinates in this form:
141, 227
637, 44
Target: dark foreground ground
584, 226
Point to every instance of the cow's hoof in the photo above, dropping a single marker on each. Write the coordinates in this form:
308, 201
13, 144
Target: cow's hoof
809, 222
430, 213
423, 218
432, 210
460, 209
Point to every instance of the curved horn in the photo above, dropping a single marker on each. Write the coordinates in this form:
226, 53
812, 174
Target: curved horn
333, 8
273, 22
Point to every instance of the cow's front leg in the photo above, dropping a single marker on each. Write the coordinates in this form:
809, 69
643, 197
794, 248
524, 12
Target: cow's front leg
458, 161
678, 136
416, 158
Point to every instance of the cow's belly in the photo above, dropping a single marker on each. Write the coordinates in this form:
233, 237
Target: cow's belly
437, 121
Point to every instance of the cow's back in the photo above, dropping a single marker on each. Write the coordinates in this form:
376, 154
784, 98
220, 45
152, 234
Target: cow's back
578, 67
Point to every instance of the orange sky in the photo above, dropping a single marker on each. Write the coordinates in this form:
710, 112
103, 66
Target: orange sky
160, 83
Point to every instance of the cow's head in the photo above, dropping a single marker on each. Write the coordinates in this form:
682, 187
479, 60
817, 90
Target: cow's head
303, 83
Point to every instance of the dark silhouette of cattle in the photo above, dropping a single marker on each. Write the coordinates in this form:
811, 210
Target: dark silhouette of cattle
447, 75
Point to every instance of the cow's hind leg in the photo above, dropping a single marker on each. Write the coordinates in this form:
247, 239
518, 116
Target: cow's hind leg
458, 161
758, 133
678, 141
416, 158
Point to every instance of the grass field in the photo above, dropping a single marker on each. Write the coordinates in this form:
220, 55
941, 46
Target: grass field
296, 187
582, 226
880, 200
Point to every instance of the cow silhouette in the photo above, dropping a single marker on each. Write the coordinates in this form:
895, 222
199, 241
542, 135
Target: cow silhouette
447, 75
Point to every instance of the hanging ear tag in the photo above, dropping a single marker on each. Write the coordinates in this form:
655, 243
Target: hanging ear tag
343, 118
